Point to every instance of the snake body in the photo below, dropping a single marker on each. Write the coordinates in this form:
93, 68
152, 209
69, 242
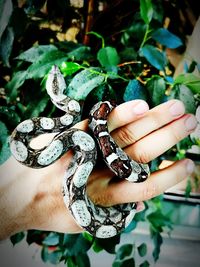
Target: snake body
102, 222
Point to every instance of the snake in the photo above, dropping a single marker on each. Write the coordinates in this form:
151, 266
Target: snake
97, 220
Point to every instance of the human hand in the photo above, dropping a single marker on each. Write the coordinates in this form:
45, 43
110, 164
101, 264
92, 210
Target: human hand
143, 134
144, 137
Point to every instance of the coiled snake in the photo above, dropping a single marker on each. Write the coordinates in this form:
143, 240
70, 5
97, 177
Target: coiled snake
102, 222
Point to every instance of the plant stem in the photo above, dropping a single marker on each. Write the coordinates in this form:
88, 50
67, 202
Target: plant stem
106, 75
145, 38
98, 36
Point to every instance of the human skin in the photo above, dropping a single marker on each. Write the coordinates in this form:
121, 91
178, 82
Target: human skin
32, 199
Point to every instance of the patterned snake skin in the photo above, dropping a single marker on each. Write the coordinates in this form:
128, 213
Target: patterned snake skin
102, 222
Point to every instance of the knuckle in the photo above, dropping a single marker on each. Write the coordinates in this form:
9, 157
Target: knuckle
149, 190
125, 136
142, 156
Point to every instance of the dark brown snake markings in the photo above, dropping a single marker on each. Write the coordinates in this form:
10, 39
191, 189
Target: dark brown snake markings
99, 221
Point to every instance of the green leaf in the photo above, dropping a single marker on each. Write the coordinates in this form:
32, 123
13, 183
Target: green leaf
96, 247
157, 240
184, 94
75, 244
84, 82
190, 80
141, 216
124, 251
35, 236
68, 68
154, 165
144, 264
41, 67
108, 244
36, 107
135, 90
80, 53
70, 262
146, 10
88, 236
108, 57
8, 115
35, 52
156, 87
155, 57
51, 240
158, 220
98, 36
188, 188
142, 249
130, 227
191, 67
6, 45
17, 238
128, 54
187, 97
158, 11
166, 38
4, 143
82, 260
17, 80
49, 256
134, 35
102, 92
44, 254
6, 8
124, 263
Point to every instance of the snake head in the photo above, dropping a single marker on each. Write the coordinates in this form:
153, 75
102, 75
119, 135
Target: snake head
55, 84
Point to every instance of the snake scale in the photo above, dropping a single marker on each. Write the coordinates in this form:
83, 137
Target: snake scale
102, 222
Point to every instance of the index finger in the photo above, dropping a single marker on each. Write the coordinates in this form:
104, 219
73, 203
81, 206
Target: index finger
126, 113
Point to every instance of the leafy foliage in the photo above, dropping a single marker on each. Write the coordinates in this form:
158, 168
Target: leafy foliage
154, 56
4, 145
135, 90
146, 10
130, 63
142, 249
190, 80
166, 38
124, 256
17, 238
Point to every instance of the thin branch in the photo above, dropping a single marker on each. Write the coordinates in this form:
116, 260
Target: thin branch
89, 21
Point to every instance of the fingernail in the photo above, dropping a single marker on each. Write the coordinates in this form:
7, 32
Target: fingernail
190, 166
177, 109
190, 123
140, 108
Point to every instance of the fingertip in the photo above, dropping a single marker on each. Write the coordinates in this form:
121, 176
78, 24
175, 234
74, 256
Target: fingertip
176, 108
141, 107
126, 113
